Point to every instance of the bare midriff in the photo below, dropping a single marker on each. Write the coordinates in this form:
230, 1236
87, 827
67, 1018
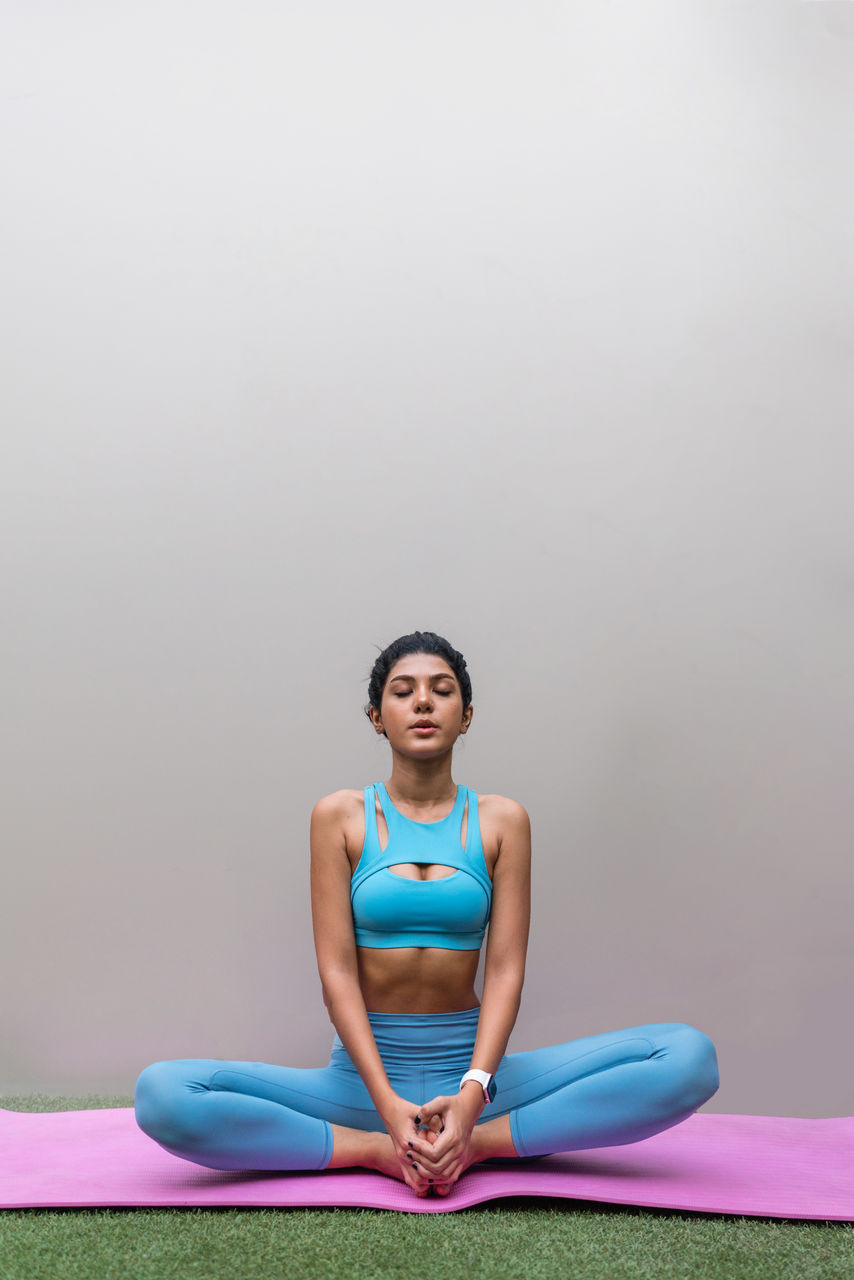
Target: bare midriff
417, 979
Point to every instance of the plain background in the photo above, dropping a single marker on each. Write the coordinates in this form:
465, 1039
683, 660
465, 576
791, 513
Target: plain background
528, 324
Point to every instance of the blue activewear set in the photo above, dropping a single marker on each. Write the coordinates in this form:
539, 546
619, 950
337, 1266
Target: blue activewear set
392, 911
598, 1091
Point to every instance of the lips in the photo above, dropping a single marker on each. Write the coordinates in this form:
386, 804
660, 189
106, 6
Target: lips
423, 724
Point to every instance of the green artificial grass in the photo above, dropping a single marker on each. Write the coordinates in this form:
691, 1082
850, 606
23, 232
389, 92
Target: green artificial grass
505, 1240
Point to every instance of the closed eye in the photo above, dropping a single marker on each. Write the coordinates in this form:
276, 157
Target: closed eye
443, 693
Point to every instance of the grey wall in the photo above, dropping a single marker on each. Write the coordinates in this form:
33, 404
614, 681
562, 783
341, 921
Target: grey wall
528, 324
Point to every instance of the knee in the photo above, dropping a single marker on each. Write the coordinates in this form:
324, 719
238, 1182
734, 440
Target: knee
702, 1078
160, 1105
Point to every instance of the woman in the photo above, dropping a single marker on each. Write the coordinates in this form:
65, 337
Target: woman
404, 879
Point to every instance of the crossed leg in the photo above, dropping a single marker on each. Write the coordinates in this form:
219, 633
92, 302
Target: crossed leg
597, 1091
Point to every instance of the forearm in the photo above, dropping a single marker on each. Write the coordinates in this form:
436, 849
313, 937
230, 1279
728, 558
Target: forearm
346, 1005
502, 995
499, 1007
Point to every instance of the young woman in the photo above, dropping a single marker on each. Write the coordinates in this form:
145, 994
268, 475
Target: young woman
405, 877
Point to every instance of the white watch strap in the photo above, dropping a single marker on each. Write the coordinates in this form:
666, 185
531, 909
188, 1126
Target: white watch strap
482, 1077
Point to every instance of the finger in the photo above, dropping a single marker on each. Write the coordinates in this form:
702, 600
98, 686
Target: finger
430, 1165
438, 1172
430, 1150
435, 1151
428, 1138
432, 1120
435, 1107
450, 1171
438, 1145
422, 1164
412, 1179
434, 1132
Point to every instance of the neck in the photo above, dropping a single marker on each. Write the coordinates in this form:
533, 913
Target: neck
423, 785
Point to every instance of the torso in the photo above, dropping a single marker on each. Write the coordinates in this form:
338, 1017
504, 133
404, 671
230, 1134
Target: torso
418, 979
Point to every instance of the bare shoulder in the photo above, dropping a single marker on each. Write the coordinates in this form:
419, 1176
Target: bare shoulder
342, 814
503, 812
336, 805
504, 824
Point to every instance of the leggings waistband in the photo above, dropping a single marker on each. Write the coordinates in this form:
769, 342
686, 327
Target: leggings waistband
456, 1017
405, 1038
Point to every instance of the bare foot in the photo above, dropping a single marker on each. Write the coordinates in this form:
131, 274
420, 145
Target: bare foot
384, 1160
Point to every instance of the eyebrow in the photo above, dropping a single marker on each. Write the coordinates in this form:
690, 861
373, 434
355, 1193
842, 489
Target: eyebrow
443, 675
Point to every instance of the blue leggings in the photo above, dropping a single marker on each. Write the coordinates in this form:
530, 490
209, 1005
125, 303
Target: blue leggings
599, 1091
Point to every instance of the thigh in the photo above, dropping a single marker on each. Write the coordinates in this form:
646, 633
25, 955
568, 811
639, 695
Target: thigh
328, 1093
523, 1077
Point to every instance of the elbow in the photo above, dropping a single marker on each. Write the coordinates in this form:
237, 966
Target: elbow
510, 977
337, 986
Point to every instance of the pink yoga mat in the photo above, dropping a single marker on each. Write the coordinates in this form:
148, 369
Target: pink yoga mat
770, 1166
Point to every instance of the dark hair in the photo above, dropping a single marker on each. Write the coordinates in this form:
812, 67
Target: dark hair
417, 642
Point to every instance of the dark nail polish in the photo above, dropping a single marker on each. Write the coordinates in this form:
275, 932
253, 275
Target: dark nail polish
410, 1144
442, 1130
414, 1165
417, 1119
429, 1179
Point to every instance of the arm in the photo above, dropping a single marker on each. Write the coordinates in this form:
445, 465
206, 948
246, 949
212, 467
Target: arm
335, 946
504, 973
507, 943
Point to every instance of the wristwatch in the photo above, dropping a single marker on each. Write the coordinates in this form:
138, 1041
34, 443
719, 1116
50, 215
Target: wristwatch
485, 1080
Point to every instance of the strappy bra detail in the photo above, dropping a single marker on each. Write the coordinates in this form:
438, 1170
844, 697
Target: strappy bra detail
390, 910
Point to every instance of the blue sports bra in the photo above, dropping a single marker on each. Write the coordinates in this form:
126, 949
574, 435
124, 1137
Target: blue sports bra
390, 910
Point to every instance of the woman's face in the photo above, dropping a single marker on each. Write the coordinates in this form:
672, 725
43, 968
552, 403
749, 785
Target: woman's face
421, 686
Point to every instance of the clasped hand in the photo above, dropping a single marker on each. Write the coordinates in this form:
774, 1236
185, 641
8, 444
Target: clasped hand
435, 1158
